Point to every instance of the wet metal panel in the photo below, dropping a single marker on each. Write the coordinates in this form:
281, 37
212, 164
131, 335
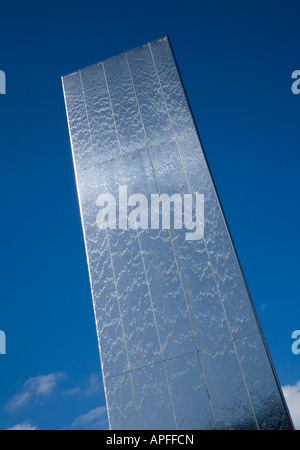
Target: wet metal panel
180, 343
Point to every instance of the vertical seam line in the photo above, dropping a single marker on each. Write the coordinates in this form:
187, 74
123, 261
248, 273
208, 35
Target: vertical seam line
111, 259
177, 268
204, 241
141, 253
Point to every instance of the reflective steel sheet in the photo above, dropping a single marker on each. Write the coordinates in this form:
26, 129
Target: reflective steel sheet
180, 343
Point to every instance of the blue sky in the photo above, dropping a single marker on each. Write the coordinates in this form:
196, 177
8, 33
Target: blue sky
236, 59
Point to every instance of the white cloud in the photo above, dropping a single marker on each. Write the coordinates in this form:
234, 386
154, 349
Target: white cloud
23, 426
74, 391
93, 386
94, 418
292, 396
35, 387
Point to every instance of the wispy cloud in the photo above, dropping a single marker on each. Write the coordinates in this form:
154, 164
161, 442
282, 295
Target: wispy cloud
23, 426
292, 396
34, 388
93, 419
92, 386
